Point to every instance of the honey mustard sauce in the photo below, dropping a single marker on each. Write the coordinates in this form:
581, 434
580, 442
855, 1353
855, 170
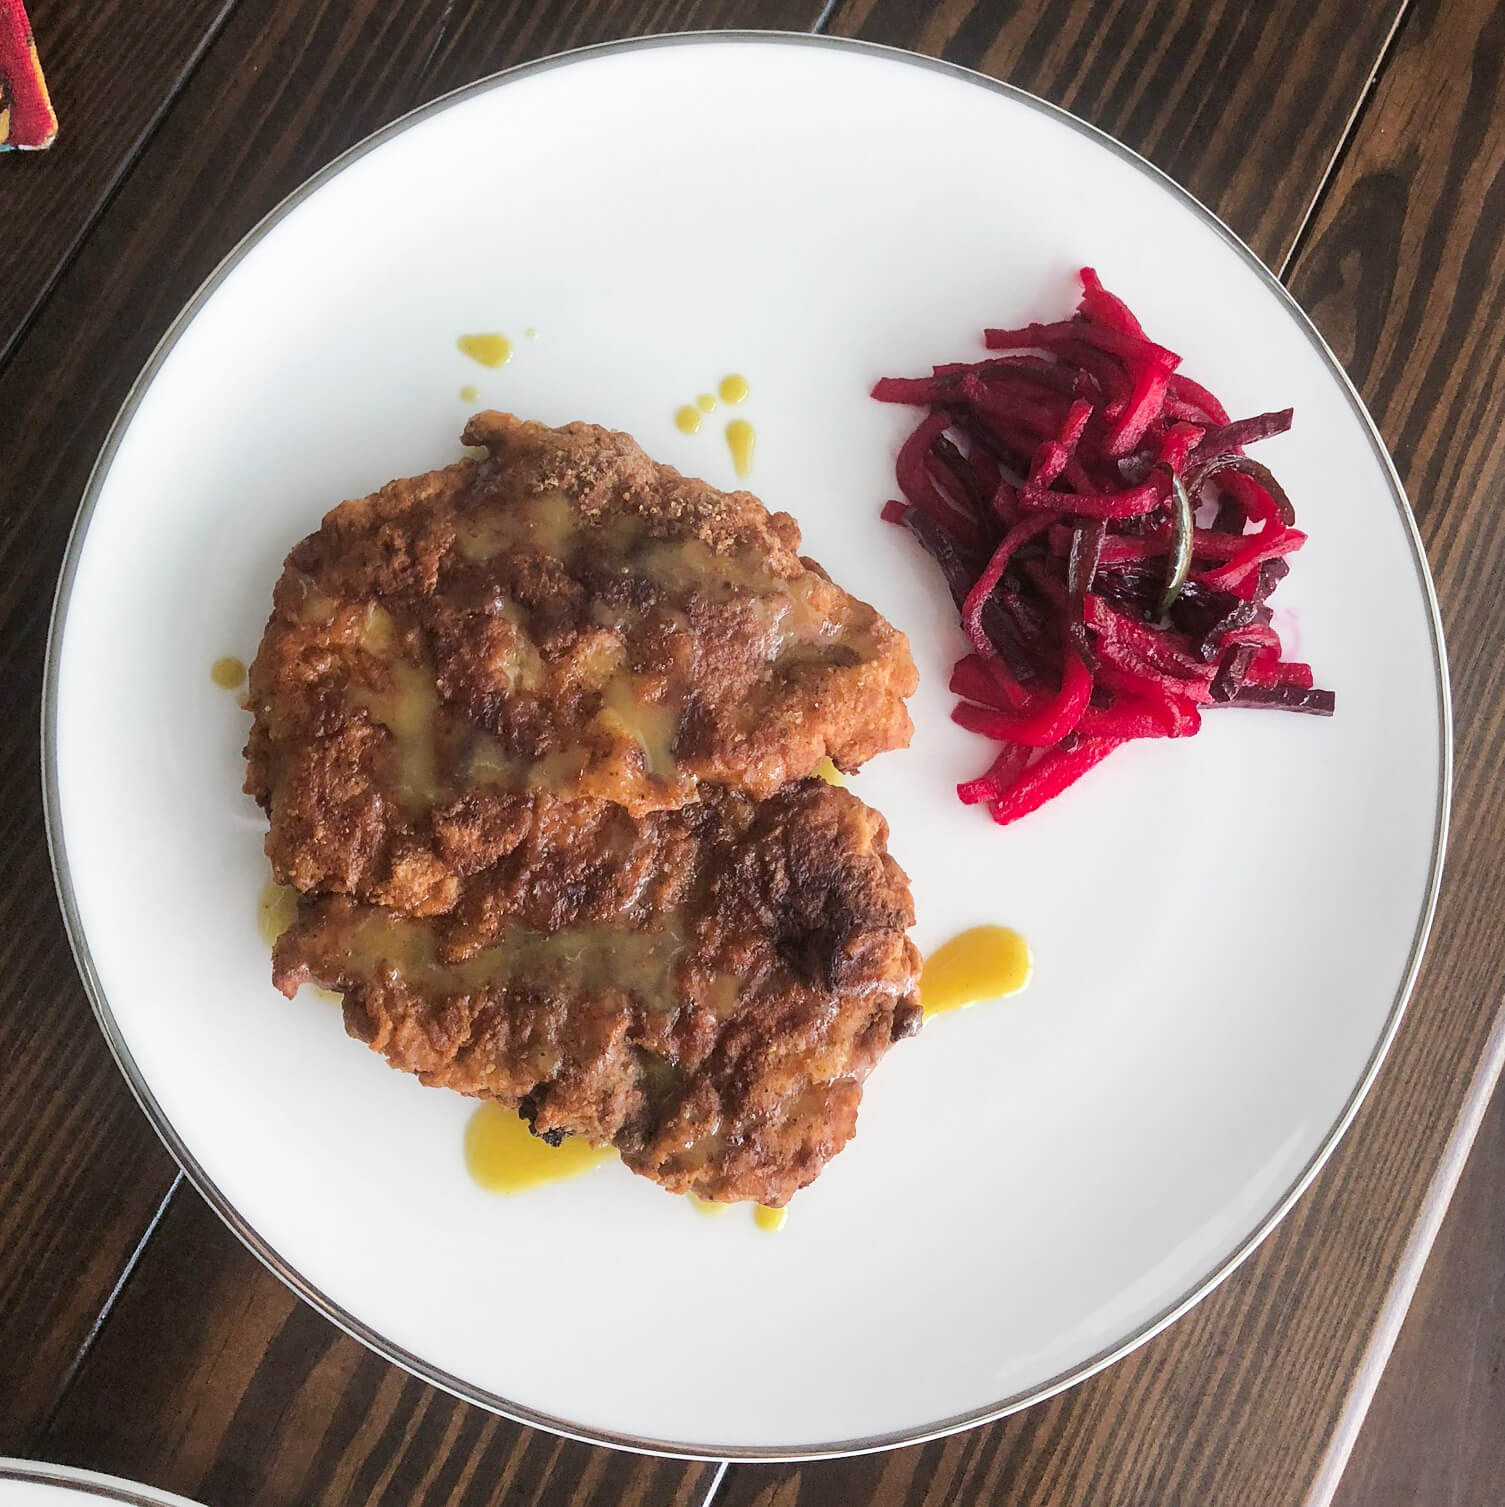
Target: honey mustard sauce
435, 751
227, 673
545, 521
489, 350
732, 389
652, 725
311, 606
504, 1156
741, 439
828, 772
587, 959
407, 706
274, 910
987, 962
468, 394
767, 1219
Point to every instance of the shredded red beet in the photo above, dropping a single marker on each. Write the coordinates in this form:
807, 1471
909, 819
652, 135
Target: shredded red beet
1108, 544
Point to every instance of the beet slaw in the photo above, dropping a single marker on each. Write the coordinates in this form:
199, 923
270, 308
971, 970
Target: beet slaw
1110, 547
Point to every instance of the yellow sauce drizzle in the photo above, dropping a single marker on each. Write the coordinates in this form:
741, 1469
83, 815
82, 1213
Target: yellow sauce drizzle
530, 333
274, 914
227, 673
768, 1219
274, 911
652, 724
827, 771
407, 709
987, 962
740, 437
687, 419
733, 389
468, 394
489, 350
706, 1205
705, 402
504, 1156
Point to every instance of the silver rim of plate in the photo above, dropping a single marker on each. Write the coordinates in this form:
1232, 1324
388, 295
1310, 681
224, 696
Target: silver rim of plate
206, 1187
89, 1482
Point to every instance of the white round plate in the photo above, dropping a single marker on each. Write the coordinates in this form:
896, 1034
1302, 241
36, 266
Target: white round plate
1224, 929
29, 1483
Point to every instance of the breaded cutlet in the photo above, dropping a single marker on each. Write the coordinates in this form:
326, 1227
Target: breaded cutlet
566, 616
704, 989
532, 733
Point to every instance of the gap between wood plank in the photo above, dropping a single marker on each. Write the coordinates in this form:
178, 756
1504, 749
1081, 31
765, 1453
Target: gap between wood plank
1397, 1304
1350, 132
722, 1466
1491, 1068
122, 171
822, 21
421, 93
107, 1307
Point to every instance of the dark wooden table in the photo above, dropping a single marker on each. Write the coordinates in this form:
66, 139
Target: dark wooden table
1359, 146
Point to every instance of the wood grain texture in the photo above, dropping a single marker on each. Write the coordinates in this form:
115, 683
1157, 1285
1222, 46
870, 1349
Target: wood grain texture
1234, 1404
213, 1380
480, 37
283, 89
82, 1174
83, 1149
1243, 103
1230, 1406
112, 69
1436, 1429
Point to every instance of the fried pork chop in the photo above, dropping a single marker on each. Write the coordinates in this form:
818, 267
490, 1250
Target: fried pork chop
532, 733
564, 615
704, 989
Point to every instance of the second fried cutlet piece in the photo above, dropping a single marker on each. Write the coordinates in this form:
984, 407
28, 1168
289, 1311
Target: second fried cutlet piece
564, 615
704, 989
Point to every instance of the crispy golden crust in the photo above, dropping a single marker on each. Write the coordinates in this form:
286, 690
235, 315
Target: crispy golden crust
704, 989
572, 617
524, 730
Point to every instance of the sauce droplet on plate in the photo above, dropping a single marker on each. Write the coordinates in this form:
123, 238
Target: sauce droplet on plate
468, 394
705, 402
987, 962
530, 333
740, 438
504, 1156
227, 673
275, 910
768, 1219
706, 1205
687, 419
733, 389
489, 350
